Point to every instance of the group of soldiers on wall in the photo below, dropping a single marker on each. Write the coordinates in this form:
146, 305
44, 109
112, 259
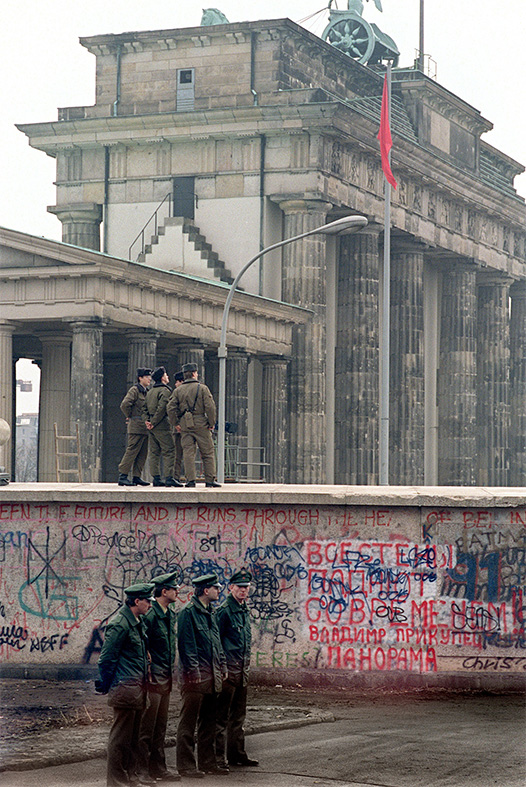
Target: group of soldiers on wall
136, 671
167, 424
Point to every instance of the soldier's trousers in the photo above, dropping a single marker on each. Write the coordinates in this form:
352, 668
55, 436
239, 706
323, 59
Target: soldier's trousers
230, 733
122, 746
161, 442
152, 759
199, 436
201, 709
178, 462
135, 455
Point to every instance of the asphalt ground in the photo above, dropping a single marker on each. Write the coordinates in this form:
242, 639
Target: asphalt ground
301, 737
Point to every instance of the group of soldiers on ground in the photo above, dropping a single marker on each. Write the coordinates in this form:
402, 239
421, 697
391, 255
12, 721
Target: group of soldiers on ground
168, 424
136, 671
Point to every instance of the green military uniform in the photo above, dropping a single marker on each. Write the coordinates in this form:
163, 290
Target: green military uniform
123, 668
233, 621
137, 448
201, 670
192, 407
160, 631
160, 440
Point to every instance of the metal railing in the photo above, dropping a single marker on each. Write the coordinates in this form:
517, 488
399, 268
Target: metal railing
153, 229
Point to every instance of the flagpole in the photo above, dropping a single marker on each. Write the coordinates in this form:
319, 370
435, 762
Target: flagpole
385, 327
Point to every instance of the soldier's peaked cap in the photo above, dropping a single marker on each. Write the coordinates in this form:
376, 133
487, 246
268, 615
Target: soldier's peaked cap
143, 590
157, 375
143, 371
179, 376
241, 578
190, 367
206, 581
166, 580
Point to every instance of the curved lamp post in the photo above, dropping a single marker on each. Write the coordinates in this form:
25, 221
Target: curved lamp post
343, 226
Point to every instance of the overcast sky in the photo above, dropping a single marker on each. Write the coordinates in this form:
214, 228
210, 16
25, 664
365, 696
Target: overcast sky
478, 46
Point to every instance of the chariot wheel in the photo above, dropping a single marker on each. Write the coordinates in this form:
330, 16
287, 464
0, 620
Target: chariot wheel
351, 35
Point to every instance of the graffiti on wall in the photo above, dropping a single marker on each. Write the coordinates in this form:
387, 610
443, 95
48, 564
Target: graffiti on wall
358, 588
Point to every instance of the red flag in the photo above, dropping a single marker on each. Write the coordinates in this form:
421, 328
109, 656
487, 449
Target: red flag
384, 135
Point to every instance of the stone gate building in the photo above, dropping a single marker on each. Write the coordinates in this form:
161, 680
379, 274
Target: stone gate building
232, 137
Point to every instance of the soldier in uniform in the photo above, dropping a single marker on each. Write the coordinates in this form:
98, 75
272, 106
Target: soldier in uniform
178, 463
123, 668
233, 621
160, 440
192, 407
202, 668
136, 452
159, 623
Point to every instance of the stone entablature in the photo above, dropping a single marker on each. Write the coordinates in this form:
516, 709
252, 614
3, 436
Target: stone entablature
71, 283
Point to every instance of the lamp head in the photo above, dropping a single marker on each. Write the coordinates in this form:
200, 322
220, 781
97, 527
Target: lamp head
344, 226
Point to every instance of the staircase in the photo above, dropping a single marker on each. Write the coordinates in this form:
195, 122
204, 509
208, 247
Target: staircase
178, 245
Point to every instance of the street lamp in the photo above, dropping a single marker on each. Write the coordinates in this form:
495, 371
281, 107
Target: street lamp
343, 226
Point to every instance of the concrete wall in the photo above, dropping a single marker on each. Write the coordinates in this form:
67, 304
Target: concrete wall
348, 581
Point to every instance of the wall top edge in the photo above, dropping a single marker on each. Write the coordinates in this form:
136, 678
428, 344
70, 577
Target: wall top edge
271, 494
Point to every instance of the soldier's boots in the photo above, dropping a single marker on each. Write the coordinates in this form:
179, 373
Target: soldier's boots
213, 484
124, 480
157, 481
171, 481
139, 482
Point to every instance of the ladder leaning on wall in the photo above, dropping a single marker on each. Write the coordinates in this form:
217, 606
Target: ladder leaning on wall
72, 455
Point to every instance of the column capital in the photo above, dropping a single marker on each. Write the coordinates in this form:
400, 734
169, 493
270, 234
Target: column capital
79, 324
291, 206
8, 327
142, 333
52, 337
487, 278
83, 211
518, 290
273, 360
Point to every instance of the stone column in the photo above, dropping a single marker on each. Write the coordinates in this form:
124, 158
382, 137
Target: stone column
406, 434
274, 417
142, 349
87, 378
357, 360
518, 385
7, 391
457, 382
54, 407
304, 284
493, 381
190, 351
80, 223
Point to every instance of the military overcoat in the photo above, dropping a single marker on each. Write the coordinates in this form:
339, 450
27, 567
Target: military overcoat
132, 406
123, 661
192, 397
233, 621
160, 631
202, 662
155, 406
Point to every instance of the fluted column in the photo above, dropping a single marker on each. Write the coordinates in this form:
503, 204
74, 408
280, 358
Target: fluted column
142, 349
457, 383
304, 284
87, 394
55, 386
190, 352
274, 418
406, 434
518, 385
80, 224
493, 381
357, 360
6, 391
